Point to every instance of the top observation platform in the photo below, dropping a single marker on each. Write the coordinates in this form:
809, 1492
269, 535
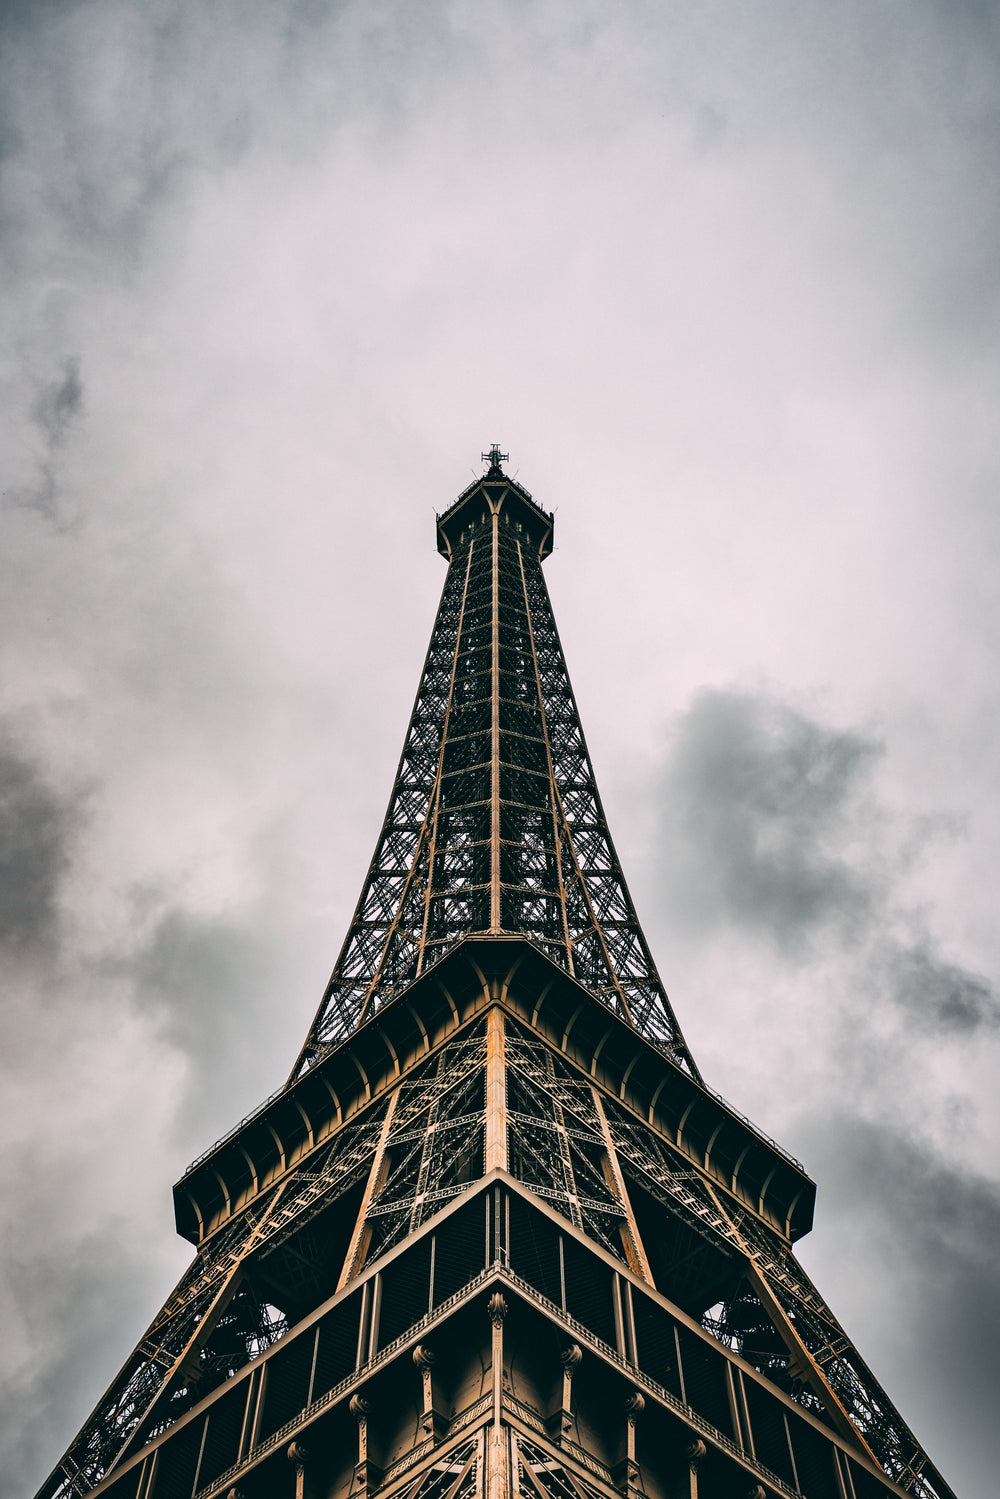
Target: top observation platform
495, 494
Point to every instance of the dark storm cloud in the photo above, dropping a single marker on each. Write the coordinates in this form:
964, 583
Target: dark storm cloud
761, 796
938, 995
37, 826
774, 828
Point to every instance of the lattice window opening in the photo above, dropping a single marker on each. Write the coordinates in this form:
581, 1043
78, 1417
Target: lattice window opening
466, 788
536, 837
520, 716
520, 751
591, 1171
436, 1071
603, 1221
379, 910
457, 1161
458, 828
461, 807
465, 753
406, 1159
454, 874
610, 907
471, 685
465, 859
472, 719
456, 1477
453, 1154
538, 1164
539, 1470
538, 1090
551, 1075
532, 868
397, 847
408, 1202
533, 1114
537, 1160
539, 916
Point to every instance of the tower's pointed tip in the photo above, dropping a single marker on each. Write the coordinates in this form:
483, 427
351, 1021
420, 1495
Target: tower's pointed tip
494, 458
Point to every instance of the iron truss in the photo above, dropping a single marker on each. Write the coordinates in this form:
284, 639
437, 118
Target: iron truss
218, 1317
495, 823
772, 1314
425, 1142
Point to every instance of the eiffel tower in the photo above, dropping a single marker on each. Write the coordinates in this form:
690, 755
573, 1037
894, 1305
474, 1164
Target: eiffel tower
495, 1237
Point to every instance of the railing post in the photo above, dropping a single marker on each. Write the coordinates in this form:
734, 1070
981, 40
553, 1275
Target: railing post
626, 1475
433, 1422
367, 1474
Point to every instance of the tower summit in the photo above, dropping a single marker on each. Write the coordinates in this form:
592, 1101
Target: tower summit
495, 1238
495, 823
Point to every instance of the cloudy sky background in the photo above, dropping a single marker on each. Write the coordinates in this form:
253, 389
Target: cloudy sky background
724, 280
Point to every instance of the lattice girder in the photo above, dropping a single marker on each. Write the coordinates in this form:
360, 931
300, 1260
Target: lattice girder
495, 823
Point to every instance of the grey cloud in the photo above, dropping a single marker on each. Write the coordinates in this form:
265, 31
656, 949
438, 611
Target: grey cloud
37, 825
69, 1347
56, 409
59, 404
773, 828
938, 995
217, 986
759, 799
894, 1209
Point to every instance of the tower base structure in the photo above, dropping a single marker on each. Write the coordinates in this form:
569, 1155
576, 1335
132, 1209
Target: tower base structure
517, 1331
499, 1355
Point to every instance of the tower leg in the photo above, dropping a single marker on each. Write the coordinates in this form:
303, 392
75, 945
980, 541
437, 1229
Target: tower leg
497, 1462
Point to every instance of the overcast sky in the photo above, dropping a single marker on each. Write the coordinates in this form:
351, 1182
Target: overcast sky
723, 278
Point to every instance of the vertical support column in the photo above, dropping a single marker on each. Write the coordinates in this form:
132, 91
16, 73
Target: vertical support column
632, 1243
497, 1459
433, 1422
498, 1311
557, 812
427, 1153
496, 924
627, 1473
693, 1453
147, 1475
253, 1411
298, 1456
496, 1092
368, 1476
436, 793
561, 1421
355, 1256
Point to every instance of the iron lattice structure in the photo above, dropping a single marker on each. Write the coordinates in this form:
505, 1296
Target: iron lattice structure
495, 822
495, 1215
